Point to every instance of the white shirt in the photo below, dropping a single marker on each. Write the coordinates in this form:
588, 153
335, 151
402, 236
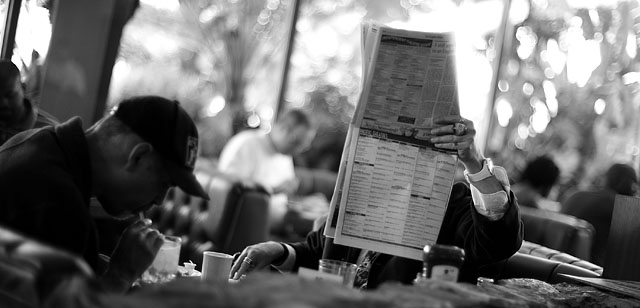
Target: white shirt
251, 155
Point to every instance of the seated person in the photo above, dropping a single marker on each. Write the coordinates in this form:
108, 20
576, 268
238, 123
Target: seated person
538, 178
17, 113
266, 158
596, 206
482, 219
128, 161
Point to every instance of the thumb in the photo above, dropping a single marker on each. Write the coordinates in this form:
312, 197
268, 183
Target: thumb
140, 224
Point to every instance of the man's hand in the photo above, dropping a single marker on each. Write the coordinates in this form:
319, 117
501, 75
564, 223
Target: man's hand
255, 257
136, 249
447, 136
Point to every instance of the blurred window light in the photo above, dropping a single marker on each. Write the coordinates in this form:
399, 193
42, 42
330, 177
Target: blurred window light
208, 14
504, 111
552, 104
528, 39
595, 18
631, 45
513, 67
540, 117
576, 23
503, 85
169, 5
266, 113
527, 89
33, 33
523, 131
215, 106
519, 11
554, 56
548, 72
598, 37
549, 89
583, 57
253, 121
273, 4
541, 4
599, 106
631, 77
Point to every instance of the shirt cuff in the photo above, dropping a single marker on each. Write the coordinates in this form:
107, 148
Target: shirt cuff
289, 262
494, 205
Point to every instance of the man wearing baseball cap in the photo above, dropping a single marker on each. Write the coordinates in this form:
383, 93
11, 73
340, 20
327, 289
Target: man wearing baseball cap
128, 161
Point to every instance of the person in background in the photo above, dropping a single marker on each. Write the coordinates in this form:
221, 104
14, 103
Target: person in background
128, 161
17, 113
482, 218
538, 178
596, 206
266, 158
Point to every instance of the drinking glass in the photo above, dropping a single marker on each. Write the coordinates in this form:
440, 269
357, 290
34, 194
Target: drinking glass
165, 265
343, 269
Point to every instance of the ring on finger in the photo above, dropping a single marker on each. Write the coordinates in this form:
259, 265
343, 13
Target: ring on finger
248, 261
459, 129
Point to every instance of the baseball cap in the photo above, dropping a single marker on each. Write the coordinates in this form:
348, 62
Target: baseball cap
169, 129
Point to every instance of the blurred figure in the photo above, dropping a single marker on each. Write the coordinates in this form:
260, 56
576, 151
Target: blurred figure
17, 113
128, 161
536, 182
596, 206
266, 158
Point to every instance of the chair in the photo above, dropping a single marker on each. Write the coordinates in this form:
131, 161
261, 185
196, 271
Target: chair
236, 216
558, 231
541, 263
30, 270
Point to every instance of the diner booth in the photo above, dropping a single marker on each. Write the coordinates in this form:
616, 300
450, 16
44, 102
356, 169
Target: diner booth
83, 49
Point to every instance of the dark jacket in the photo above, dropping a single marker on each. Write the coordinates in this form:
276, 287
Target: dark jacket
484, 242
45, 188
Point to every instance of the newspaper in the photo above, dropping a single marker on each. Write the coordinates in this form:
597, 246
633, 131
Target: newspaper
393, 185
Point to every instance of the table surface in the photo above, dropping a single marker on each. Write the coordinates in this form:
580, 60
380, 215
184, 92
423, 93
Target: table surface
288, 290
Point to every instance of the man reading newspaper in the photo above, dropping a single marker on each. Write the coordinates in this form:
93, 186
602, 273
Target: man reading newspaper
481, 217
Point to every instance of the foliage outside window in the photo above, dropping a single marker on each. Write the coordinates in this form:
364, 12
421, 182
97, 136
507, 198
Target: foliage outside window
222, 59
31, 42
568, 88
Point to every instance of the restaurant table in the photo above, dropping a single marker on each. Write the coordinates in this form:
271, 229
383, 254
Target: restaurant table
288, 290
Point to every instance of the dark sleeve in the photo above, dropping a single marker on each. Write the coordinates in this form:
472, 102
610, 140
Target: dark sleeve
53, 212
309, 252
483, 240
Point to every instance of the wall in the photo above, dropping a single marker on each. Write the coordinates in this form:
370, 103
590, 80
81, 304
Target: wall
84, 42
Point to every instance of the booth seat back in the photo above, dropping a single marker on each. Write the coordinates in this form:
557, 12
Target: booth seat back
558, 231
541, 263
235, 216
30, 270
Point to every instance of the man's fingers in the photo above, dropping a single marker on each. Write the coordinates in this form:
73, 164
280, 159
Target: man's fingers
448, 119
139, 225
244, 267
237, 263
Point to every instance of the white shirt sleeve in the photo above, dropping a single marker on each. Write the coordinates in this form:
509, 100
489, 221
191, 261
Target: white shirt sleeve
236, 157
493, 206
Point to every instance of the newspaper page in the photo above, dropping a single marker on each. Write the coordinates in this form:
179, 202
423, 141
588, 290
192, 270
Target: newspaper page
394, 185
368, 33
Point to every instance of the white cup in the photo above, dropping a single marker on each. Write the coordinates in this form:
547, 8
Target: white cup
216, 266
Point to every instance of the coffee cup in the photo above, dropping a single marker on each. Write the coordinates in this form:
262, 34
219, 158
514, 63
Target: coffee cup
216, 266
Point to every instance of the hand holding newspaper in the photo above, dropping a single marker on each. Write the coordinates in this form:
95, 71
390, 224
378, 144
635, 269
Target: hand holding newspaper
393, 185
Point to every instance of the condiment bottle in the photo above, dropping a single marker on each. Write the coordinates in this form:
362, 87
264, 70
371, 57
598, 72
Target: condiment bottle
441, 262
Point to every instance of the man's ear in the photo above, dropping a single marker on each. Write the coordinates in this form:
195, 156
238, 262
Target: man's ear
137, 155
